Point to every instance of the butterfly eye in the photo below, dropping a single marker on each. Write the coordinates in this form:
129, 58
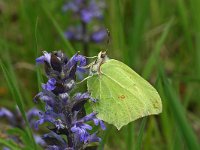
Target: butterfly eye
103, 54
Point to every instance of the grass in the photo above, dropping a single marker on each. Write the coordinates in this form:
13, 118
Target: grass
12, 83
158, 39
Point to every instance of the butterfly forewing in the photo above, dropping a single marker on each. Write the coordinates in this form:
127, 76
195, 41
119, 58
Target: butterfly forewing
123, 95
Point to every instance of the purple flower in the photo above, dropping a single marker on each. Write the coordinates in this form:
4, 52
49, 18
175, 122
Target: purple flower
32, 113
81, 96
6, 113
46, 57
93, 138
89, 117
6, 148
77, 59
81, 130
70, 6
48, 116
54, 141
39, 140
98, 121
74, 33
53, 147
99, 35
50, 85
92, 116
59, 124
86, 15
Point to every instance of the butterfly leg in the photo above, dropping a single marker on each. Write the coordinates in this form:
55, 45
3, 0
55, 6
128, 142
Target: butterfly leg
87, 66
99, 68
83, 80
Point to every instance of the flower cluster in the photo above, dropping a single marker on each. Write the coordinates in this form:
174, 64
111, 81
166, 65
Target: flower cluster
64, 108
86, 11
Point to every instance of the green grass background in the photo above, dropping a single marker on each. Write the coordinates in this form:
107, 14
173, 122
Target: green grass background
158, 39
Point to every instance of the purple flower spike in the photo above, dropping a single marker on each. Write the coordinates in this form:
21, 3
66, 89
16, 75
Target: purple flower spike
64, 108
85, 11
50, 85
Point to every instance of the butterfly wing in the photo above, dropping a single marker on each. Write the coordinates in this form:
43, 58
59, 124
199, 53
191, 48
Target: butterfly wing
123, 95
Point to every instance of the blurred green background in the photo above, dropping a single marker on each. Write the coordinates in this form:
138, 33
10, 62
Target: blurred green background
158, 39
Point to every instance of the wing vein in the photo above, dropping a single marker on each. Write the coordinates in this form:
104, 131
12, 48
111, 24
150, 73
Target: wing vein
121, 72
129, 113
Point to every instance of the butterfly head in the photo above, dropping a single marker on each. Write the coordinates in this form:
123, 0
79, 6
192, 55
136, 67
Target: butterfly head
101, 59
102, 55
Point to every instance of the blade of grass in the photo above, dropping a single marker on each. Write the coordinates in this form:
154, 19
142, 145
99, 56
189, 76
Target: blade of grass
167, 123
139, 16
70, 50
141, 132
39, 74
105, 136
155, 53
38, 70
130, 136
185, 23
179, 114
11, 80
10, 144
195, 10
117, 33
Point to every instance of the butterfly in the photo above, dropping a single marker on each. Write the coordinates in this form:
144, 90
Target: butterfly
123, 95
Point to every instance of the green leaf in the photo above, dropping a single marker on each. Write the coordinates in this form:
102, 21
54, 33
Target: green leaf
123, 95
139, 139
10, 144
24, 137
12, 83
70, 50
179, 114
155, 53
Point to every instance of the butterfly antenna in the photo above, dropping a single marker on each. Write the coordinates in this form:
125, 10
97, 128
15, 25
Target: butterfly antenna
108, 35
108, 39
91, 57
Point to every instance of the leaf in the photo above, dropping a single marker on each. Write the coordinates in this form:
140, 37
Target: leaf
179, 115
10, 144
24, 137
123, 95
12, 84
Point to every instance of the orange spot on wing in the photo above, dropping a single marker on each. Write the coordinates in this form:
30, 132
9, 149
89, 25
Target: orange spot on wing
121, 97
